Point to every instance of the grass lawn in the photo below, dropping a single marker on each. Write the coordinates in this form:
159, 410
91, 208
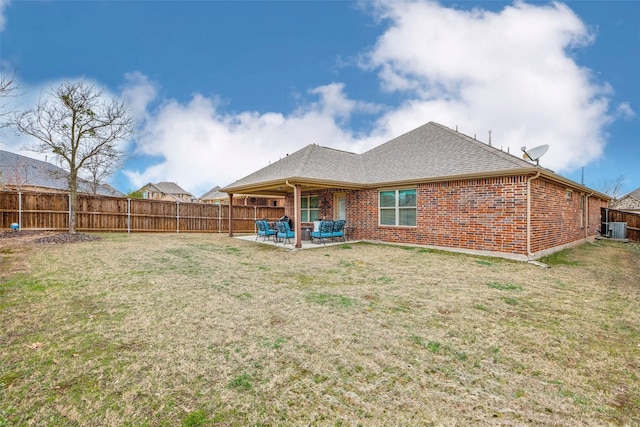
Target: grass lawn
205, 330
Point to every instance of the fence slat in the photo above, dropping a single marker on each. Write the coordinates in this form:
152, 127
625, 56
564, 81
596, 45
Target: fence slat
50, 211
631, 218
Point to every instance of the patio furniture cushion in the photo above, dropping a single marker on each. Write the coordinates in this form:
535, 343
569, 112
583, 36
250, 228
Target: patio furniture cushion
284, 232
326, 231
264, 230
338, 230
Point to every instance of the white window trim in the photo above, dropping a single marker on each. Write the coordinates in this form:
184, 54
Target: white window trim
397, 208
309, 209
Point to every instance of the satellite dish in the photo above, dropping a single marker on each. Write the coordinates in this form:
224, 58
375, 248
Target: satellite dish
535, 153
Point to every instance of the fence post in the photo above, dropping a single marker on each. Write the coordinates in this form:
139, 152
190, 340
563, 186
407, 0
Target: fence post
128, 216
20, 209
178, 216
69, 195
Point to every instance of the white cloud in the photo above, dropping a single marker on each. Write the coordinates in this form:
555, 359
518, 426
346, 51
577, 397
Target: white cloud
3, 6
202, 146
625, 111
138, 93
510, 72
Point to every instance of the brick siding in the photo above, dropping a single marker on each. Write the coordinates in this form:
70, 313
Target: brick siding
558, 215
480, 214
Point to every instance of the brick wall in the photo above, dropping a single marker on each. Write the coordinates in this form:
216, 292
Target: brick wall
558, 214
479, 214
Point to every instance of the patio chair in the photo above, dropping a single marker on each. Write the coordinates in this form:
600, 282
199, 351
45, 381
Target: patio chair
338, 230
284, 232
325, 232
264, 230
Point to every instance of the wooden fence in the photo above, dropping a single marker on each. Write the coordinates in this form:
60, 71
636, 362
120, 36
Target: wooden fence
50, 211
632, 220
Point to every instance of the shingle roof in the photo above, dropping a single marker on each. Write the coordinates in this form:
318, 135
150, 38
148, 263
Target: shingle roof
171, 188
311, 162
435, 151
428, 152
214, 193
20, 170
635, 194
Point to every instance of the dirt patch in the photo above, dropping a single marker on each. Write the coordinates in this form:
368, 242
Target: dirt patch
17, 238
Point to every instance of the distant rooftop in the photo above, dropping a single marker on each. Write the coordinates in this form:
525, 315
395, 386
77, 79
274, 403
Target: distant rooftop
22, 171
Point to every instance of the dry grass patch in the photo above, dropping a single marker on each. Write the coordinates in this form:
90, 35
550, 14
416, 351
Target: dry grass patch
207, 330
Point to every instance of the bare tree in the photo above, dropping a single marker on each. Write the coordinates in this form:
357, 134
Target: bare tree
612, 187
18, 175
80, 127
7, 88
99, 168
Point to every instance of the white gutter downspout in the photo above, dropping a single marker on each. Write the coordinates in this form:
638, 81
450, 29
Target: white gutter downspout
296, 209
531, 178
586, 219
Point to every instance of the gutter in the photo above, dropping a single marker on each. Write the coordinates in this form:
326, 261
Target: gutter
531, 178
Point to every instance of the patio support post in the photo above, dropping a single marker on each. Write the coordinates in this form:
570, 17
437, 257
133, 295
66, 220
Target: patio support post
296, 211
298, 224
230, 215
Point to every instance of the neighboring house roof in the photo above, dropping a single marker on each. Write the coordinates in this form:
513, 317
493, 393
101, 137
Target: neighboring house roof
635, 194
429, 153
214, 193
21, 171
217, 195
630, 201
171, 188
166, 188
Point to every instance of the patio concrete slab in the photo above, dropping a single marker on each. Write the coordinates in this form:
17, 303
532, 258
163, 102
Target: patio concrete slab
306, 244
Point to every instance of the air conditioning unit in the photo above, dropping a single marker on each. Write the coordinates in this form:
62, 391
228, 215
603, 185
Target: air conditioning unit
618, 230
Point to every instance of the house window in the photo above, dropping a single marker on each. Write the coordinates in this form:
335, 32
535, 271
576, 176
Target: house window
309, 208
397, 207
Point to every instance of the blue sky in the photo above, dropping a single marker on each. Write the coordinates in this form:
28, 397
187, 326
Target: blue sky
221, 89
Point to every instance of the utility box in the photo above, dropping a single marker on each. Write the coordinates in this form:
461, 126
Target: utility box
618, 230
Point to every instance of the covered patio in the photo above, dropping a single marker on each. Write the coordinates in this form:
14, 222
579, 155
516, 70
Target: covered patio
304, 244
327, 174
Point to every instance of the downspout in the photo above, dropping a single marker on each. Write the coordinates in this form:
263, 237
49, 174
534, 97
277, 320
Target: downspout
296, 209
586, 220
531, 178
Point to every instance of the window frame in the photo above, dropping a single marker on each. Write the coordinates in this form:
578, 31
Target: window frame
397, 208
306, 212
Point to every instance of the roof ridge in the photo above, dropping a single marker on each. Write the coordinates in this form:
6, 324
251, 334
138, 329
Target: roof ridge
487, 147
306, 154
